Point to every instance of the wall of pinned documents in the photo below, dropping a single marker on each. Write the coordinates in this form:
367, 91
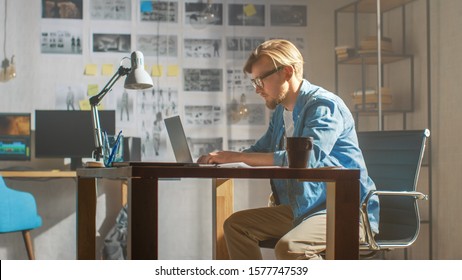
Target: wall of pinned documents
196, 65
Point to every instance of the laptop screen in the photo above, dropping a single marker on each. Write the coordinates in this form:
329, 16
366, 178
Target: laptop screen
178, 139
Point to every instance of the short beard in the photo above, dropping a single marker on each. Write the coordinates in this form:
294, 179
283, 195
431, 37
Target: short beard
273, 103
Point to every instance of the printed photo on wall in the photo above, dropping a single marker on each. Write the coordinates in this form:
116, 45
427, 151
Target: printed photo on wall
158, 45
240, 47
288, 15
62, 9
160, 11
202, 48
61, 41
202, 114
68, 97
246, 15
237, 82
110, 10
203, 79
119, 43
200, 14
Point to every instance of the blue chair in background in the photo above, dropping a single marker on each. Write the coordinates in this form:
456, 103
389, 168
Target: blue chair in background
18, 212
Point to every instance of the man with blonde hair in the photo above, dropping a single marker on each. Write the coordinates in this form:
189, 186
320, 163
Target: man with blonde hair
300, 109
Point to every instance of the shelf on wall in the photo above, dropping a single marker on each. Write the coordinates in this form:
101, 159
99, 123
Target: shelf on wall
370, 6
371, 58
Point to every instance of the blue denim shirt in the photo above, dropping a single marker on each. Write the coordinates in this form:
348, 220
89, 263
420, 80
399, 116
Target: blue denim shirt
325, 117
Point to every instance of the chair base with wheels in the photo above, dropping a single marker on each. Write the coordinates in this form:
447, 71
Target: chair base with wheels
18, 212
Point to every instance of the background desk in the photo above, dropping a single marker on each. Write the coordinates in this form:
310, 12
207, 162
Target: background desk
38, 174
342, 205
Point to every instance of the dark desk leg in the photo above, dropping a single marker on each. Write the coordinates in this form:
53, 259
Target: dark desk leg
343, 220
86, 218
223, 207
142, 219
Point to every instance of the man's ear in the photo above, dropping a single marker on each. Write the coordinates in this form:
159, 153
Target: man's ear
289, 72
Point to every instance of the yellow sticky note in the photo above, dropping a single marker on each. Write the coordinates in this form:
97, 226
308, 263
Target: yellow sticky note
156, 70
107, 70
92, 89
90, 69
249, 10
84, 105
173, 71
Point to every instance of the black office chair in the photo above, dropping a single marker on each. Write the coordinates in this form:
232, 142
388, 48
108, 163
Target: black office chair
393, 160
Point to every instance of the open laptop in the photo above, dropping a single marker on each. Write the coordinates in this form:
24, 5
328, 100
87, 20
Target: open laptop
178, 139
180, 148
180, 145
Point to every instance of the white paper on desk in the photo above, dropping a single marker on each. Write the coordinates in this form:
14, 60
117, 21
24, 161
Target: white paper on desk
241, 165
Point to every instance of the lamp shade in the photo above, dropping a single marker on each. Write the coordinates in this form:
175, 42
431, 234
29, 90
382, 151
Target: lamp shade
138, 78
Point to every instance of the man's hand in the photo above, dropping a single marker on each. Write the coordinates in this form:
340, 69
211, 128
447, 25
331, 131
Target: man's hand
220, 157
253, 159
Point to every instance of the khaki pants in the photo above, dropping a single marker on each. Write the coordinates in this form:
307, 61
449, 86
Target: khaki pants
244, 229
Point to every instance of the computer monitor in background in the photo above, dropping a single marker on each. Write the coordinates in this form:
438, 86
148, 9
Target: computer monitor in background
68, 134
15, 135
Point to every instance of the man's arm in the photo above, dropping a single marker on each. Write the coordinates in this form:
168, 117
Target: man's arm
253, 159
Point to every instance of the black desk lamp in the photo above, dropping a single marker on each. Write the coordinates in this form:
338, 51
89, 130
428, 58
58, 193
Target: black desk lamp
137, 78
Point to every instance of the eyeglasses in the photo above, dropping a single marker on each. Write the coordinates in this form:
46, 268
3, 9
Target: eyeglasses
258, 83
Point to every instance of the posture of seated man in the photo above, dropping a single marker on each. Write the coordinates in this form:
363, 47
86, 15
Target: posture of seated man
301, 109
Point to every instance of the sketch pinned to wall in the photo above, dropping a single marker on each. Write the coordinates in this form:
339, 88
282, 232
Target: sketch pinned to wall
202, 146
240, 47
202, 48
193, 12
153, 106
246, 15
288, 15
62, 9
68, 96
158, 100
153, 140
237, 82
202, 114
158, 45
238, 145
255, 114
203, 80
104, 42
110, 9
61, 41
160, 11
125, 107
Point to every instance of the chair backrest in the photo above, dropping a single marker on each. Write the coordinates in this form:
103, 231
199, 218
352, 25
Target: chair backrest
393, 160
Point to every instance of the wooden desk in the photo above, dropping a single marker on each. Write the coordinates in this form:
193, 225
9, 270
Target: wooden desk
342, 205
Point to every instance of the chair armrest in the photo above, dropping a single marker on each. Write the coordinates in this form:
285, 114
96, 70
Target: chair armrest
417, 195
365, 213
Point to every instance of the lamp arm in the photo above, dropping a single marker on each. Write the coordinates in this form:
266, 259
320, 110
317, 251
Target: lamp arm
94, 102
96, 99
